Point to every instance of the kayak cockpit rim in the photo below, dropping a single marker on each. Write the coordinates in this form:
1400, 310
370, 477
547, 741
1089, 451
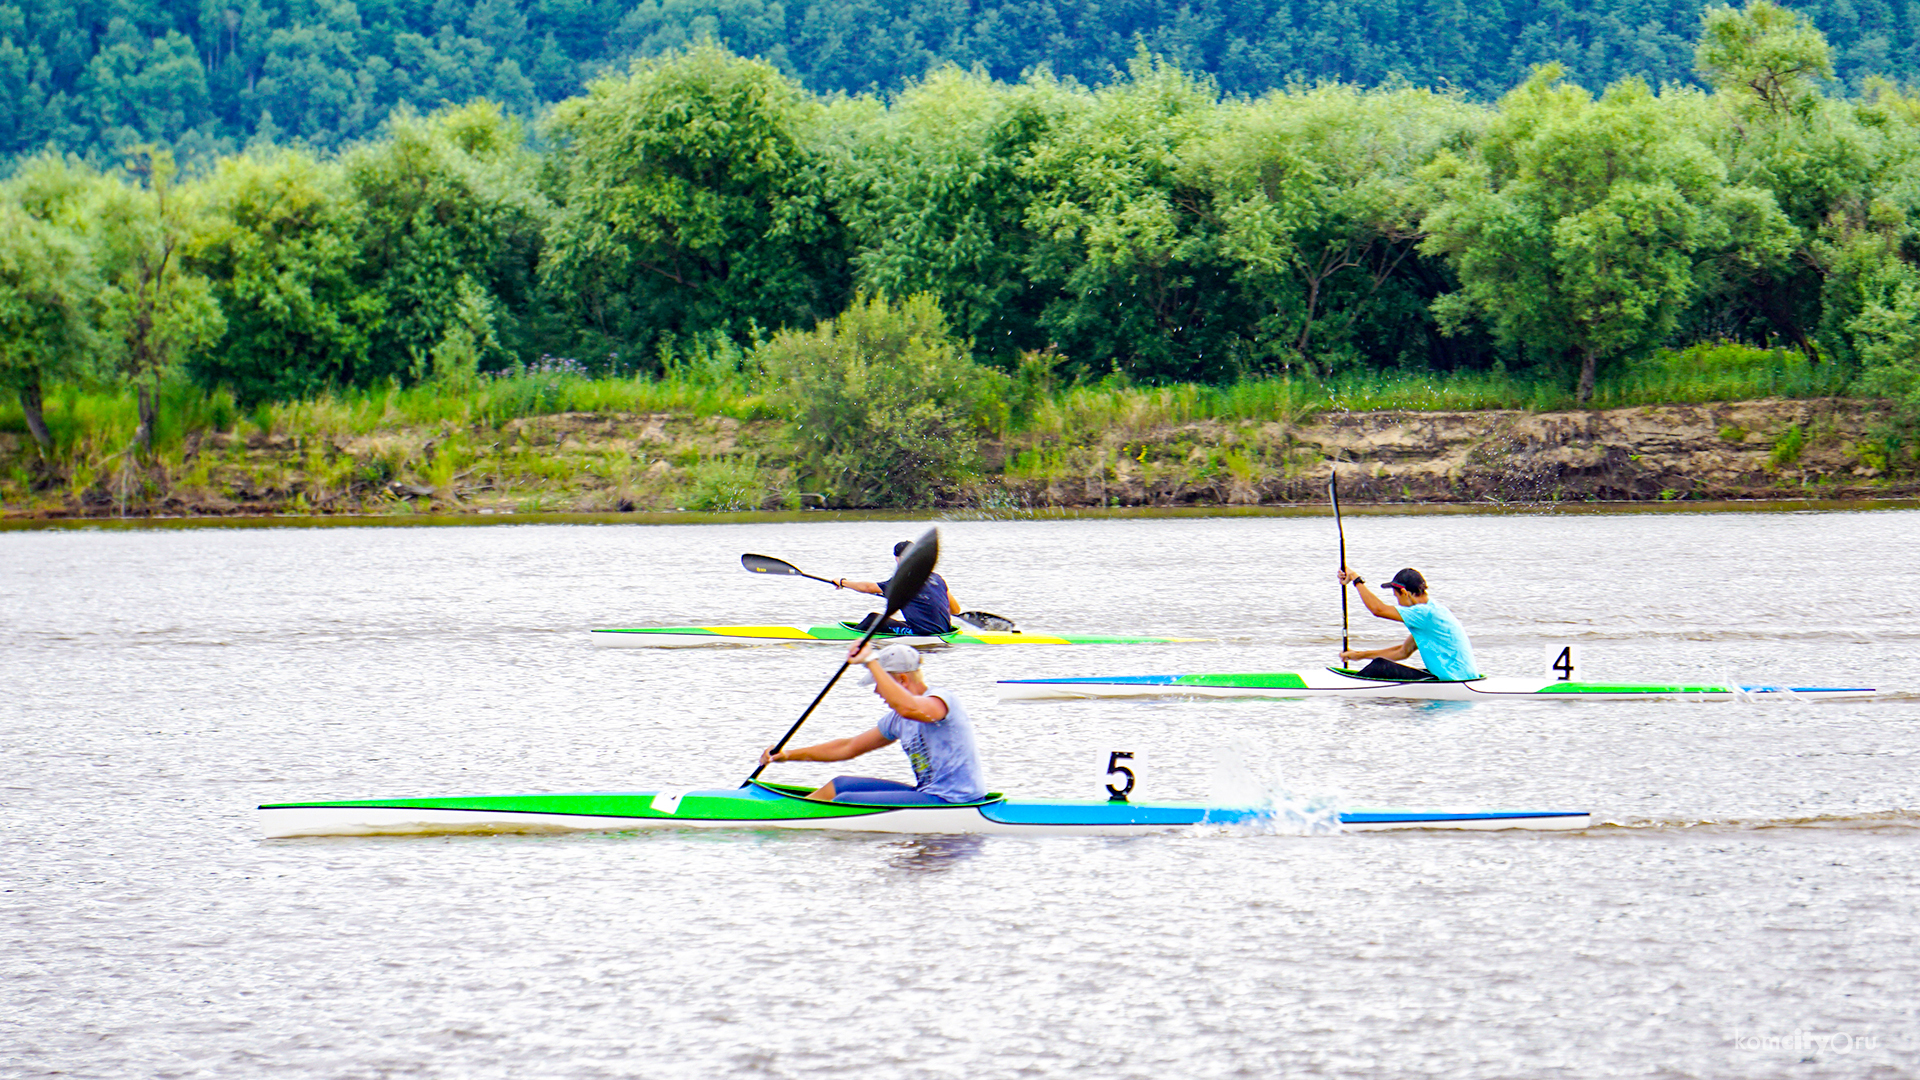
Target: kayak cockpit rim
800, 792
1351, 674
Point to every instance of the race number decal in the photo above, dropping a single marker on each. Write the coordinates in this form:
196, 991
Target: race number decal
1120, 774
1562, 662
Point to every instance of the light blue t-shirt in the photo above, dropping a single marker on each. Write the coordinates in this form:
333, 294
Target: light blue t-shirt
1442, 643
946, 763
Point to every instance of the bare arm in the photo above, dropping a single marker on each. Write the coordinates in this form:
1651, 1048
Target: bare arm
838, 750
1374, 604
922, 707
1396, 653
870, 587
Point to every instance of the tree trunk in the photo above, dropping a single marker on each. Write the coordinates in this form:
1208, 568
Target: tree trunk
148, 408
1588, 361
31, 405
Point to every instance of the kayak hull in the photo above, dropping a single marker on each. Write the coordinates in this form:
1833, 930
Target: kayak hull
1335, 684
680, 637
767, 806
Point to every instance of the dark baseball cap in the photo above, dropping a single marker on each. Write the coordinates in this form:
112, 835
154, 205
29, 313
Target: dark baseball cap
1410, 580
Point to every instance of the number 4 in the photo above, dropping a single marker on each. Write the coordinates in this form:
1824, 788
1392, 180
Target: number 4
1563, 661
1115, 768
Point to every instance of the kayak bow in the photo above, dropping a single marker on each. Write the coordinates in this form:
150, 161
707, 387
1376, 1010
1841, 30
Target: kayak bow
1335, 682
760, 805
685, 636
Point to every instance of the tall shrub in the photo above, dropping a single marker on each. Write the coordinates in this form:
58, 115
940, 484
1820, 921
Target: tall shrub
884, 402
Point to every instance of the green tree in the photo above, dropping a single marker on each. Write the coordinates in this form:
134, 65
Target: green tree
283, 251
1577, 230
1320, 198
449, 217
1769, 56
691, 198
49, 287
158, 312
1127, 239
934, 199
1770, 124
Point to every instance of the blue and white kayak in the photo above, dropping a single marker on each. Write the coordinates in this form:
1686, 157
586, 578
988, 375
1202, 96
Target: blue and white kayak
1339, 683
760, 805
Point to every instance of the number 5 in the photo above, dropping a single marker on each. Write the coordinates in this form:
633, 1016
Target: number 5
1114, 767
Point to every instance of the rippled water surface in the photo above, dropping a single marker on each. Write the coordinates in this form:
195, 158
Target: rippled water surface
1748, 908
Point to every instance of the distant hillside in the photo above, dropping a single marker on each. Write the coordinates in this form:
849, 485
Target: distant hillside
93, 75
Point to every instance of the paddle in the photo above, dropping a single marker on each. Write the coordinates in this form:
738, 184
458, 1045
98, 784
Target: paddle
909, 574
767, 564
1333, 492
987, 620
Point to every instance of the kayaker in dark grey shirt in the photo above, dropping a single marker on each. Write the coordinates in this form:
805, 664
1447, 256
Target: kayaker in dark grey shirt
927, 613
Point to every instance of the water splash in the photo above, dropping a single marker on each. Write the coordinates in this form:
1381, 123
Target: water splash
1246, 777
1750, 692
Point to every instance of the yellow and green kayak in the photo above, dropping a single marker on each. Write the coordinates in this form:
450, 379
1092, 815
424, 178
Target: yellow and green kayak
684, 636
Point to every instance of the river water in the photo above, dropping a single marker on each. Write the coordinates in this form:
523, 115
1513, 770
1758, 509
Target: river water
1746, 908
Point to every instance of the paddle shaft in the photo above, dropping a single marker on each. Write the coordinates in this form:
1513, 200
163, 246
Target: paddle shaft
909, 575
1333, 491
817, 699
767, 564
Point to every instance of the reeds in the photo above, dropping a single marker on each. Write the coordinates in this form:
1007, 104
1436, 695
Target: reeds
449, 440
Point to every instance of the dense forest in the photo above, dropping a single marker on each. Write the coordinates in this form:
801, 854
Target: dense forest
213, 77
681, 214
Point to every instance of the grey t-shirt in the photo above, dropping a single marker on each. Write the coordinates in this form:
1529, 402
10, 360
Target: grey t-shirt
946, 762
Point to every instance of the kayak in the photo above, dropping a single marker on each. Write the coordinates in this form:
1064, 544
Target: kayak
1338, 682
760, 805
683, 636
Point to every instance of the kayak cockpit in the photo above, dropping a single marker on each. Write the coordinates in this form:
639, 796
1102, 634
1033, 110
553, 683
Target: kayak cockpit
1349, 673
800, 792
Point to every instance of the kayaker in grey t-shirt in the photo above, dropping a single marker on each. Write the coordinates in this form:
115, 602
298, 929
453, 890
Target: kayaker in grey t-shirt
929, 724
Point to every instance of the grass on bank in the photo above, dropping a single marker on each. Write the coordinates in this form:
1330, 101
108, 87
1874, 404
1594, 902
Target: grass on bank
1694, 376
106, 417
435, 436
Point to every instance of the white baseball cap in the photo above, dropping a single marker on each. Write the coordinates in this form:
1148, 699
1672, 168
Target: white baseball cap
895, 658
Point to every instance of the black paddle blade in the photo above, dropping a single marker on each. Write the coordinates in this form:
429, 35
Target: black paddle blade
767, 564
987, 620
910, 573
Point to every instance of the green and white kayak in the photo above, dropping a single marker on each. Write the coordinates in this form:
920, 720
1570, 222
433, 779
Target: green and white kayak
759, 805
685, 636
1339, 682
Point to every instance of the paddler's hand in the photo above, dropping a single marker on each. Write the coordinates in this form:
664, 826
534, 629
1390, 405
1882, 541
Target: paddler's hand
767, 756
860, 654
1348, 577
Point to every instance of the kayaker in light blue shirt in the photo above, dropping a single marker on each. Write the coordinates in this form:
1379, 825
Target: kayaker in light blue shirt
1432, 631
929, 724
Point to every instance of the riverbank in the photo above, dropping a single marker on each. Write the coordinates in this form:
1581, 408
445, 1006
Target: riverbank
619, 462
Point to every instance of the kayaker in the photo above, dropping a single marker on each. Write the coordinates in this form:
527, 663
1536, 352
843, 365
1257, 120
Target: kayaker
1432, 631
927, 613
929, 724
